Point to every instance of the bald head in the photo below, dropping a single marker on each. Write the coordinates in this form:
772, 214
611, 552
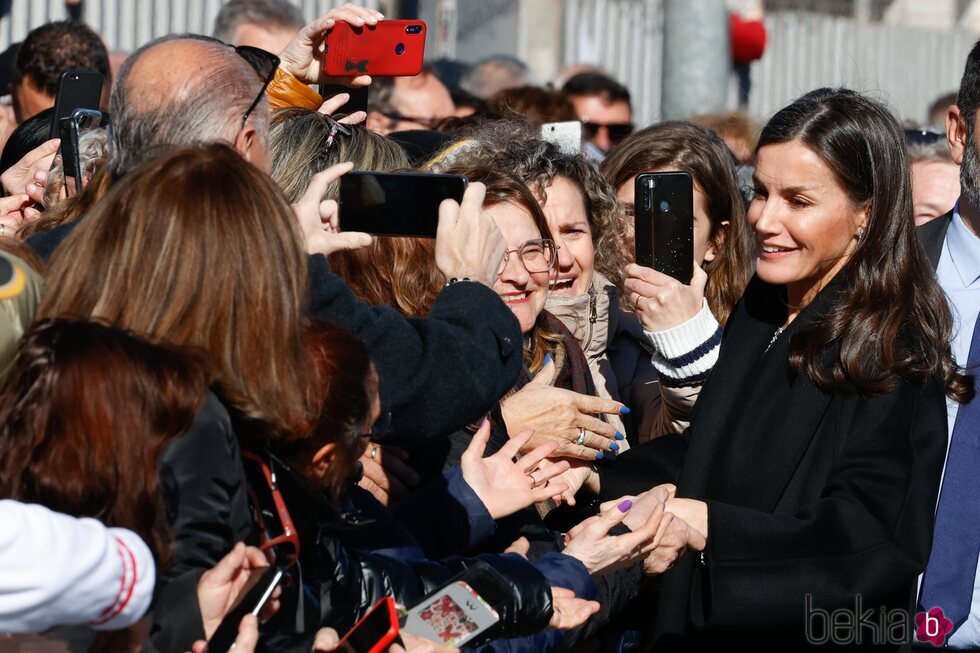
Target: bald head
181, 90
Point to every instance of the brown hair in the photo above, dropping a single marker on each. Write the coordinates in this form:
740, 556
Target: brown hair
538, 105
198, 248
297, 141
688, 147
506, 187
340, 397
891, 319
85, 415
732, 126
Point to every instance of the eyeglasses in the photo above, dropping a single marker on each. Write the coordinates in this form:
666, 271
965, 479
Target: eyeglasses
923, 136
288, 538
617, 130
264, 64
535, 255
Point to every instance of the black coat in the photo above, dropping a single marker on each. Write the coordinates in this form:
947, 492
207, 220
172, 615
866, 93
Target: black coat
438, 373
809, 492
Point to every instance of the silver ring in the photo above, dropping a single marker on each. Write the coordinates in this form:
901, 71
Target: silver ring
3, 229
581, 435
374, 452
533, 481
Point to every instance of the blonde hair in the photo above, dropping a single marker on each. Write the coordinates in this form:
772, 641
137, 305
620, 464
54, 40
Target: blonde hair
198, 248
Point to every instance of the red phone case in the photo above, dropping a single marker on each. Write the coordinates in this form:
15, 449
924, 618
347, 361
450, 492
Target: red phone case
388, 605
392, 48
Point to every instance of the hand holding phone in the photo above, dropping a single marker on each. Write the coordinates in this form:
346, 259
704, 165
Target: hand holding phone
251, 599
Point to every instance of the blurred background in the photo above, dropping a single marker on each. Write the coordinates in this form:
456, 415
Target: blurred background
677, 57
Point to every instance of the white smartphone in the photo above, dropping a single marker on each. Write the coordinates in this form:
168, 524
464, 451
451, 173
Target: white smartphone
452, 616
566, 135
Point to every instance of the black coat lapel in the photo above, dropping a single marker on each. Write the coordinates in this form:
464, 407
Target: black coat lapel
754, 419
932, 235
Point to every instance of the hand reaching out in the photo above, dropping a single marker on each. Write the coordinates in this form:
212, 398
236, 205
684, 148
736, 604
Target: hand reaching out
319, 219
303, 55
503, 485
570, 611
600, 552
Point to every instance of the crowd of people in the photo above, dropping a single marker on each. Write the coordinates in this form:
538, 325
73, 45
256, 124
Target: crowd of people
203, 375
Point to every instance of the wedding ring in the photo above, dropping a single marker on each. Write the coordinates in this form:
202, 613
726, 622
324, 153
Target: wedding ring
581, 436
533, 482
374, 452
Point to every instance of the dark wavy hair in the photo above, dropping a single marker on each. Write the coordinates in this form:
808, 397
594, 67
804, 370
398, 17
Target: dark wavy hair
685, 146
892, 320
85, 415
340, 397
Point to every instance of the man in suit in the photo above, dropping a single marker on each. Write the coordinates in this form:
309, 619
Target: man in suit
952, 243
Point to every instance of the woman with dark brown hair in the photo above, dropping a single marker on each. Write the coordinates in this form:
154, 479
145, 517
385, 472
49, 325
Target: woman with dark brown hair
684, 322
818, 441
198, 249
100, 461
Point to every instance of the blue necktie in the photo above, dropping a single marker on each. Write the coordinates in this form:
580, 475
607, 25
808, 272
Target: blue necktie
952, 569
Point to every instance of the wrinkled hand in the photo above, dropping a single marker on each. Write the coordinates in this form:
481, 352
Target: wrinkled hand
386, 475
326, 640
662, 302
468, 243
303, 55
569, 610
23, 176
503, 485
600, 552
413, 644
677, 538
219, 587
247, 640
558, 414
331, 105
319, 219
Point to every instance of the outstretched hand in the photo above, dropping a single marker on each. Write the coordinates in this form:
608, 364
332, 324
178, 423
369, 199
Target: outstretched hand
505, 485
303, 55
319, 219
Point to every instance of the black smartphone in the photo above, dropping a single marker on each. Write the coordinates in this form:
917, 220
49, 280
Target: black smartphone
358, 97
77, 89
396, 204
71, 131
664, 223
254, 595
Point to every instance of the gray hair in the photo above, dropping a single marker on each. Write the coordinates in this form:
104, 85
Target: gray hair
270, 13
93, 149
209, 109
935, 151
497, 73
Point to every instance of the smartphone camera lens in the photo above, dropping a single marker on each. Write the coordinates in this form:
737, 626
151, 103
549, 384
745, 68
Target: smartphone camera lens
665, 207
400, 48
413, 29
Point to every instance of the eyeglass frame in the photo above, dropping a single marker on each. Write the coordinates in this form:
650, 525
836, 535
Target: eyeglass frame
547, 242
290, 535
428, 123
270, 57
595, 126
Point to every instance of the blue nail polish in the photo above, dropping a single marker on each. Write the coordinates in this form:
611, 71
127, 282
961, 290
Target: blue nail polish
625, 410
547, 358
620, 436
613, 446
598, 455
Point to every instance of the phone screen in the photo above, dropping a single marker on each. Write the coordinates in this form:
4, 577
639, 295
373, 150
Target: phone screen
378, 628
396, 204
664, 223
253, 596
453, 616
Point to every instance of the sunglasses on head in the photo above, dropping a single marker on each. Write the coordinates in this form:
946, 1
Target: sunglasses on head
617, 130
264, 64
